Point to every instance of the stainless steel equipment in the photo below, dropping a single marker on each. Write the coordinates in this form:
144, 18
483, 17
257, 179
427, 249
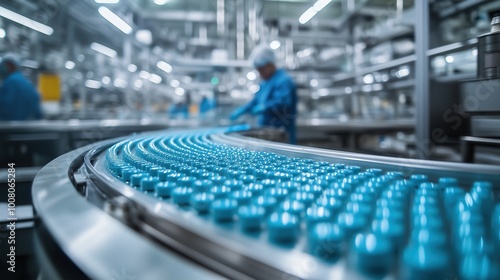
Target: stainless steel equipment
142, 224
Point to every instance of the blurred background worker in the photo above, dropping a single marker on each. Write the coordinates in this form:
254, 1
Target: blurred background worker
19, 100
276, 101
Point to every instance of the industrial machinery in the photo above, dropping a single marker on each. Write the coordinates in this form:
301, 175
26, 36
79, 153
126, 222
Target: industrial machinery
211, 203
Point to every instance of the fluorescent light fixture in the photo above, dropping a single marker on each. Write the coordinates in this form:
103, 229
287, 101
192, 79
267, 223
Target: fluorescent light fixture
474, 51
132, 68
107, 1
179, 91
103, 49
144, 74
30, 64
119, 83
35, 25
138, 83
312, 11
368, 79
69, 64
314, 83
175, 83
144, 36
115, 20
275, 44
93, 84
161, 2
2, 33
251, 76
155, 79
106, 80
164, 66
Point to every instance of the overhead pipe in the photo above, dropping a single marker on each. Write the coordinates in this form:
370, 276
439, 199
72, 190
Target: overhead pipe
240, 29
221, 18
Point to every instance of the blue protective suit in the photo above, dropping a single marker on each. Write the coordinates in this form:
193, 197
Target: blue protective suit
206, 105
276, 103
19, 100
178, 111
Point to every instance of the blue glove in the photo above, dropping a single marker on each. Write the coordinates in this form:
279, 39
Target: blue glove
237, 113
258, 109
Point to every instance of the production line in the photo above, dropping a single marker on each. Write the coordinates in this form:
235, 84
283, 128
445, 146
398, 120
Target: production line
247, 208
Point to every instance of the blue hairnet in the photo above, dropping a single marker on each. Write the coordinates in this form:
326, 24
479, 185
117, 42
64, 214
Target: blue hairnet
262, 55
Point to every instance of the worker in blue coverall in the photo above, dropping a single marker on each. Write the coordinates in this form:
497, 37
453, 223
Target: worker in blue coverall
19, 100
276, 101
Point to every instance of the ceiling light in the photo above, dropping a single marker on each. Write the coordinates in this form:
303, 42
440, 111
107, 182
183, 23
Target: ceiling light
314, 83
368, 79
93, 84
107, 1
35, 25
254, 88
2, 33
103, 49
115, 20
275, 44
120, 83
312, 11
155, 79
69, 64
164, 66
161, 2
450, 59
179, 91
106, 80
144, 36
251, 76
132, 68
144, 74
175, 83
138, 83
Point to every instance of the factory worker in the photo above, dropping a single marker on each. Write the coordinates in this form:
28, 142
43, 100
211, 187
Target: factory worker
275, 103
19, 100
206, 104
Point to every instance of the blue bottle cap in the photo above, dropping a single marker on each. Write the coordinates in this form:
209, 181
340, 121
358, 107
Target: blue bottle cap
202, 201
331, 203
217, 180
337, 193
351, 223
251, 217
247, 179
202, 186
135, 179
305, 198
316, 190
373, 254
242, 197
478, 266
428, 185
164, 189
234, 184
279, 193
149, 183
268, 202
325, 241
173, 177
354, 168
126, 173
375, 171
269, 183
445, 182
394, 214
224, 210
292, 206
220, 192
418, 179
394, 230
396, 205
186, 181
181, 195
283, 227
358, 208
153, 170
431, 210
424, 262
255, 188
429, 237
316, 214
428, 221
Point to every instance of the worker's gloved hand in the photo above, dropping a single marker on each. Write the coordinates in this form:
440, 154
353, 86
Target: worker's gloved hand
258, 109
237, 113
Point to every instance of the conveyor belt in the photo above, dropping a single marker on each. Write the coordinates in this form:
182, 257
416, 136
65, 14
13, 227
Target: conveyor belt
255, 209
